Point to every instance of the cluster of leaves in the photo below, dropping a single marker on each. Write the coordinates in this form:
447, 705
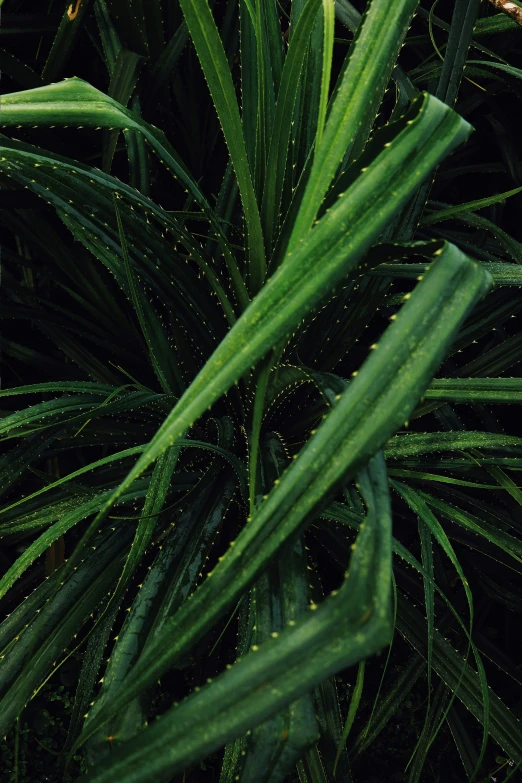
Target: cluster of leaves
263, 318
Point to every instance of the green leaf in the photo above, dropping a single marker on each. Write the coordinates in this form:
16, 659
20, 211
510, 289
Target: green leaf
377, 44
328, 44
374, 405
469, 390
504, 727
459, 39
213, 60
20, 72
314, 267
427, 518
508, 243
74, 101
169, 582
352, 711
464, 519
31, 448
470, 206
26, 664
87, 210
64, 42
124, 76
498, 23
282, 125
502, 273
68, 520
162, 358
427, 442
277, 673
109, 35
346, 13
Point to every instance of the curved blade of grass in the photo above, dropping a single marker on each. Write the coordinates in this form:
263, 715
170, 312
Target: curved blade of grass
463, 741
352, 711
51, 412
139, 168
462, 24
52, 409
169, 581
329, 716
279, 597
470, 522
417, 504
28, 454
48, 510
161, 355
436, 714
77, 387
508, 243
429, 593
504, 726
91, 660
327, 707
263, 372
306, 112
209, 48
76, 102
248, 53
509, 69
86, 209
158, 490
68, 520
13, 464
265, 95
311, 769
26, 610
470, 206
390, 704
109, 35
45, 515
346, 13
341, 513
471, 684
503, 479
283, 120
498, 359
422, 476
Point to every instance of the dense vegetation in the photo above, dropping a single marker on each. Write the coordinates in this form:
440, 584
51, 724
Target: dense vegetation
260, 512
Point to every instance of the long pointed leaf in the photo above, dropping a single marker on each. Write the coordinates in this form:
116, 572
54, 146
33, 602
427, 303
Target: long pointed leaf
374, 405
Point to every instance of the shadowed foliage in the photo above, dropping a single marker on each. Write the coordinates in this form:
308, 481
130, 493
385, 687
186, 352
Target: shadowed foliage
260, 351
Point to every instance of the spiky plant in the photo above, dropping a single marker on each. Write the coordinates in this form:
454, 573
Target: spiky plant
214, 401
